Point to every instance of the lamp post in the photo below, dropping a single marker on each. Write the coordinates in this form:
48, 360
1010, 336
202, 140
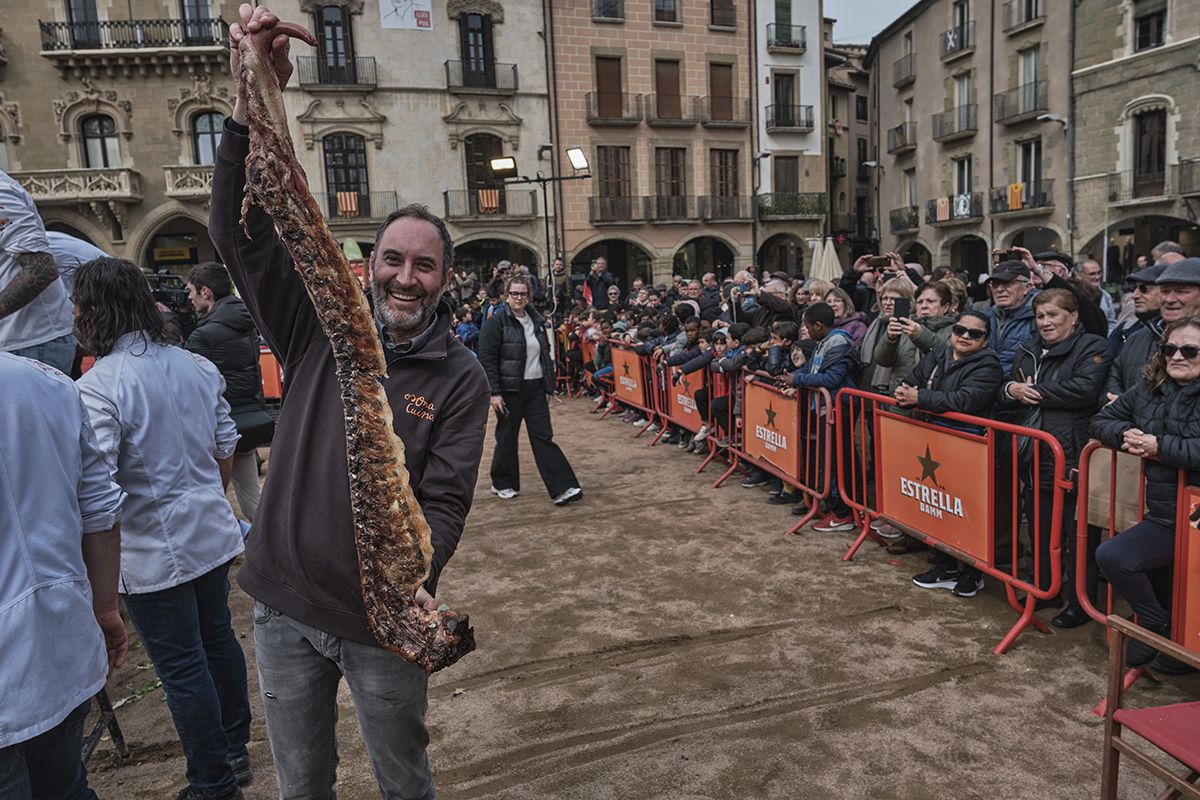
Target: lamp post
875, 165
505, 168
756, 178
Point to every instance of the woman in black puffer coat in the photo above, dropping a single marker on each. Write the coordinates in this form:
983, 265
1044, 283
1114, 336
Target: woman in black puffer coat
515, 354
1159, 418
1058, 376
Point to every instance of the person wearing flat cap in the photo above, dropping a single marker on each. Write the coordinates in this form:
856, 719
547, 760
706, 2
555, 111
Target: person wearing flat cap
1179, 296
1144, 292
1010, 319
1053, 269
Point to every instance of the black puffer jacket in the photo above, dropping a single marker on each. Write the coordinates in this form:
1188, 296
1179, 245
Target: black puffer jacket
966, 386
502, 351
1172, 415
226, 337
1070, 378
1135, 354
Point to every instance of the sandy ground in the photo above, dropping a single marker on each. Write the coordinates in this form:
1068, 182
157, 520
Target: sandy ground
661, 639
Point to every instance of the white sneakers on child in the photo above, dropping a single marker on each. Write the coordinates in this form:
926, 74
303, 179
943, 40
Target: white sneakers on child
505, 494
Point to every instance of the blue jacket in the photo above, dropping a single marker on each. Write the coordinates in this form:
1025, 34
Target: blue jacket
832, 366
1007, 333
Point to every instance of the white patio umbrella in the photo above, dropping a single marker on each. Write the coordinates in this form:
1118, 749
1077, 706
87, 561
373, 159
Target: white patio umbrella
831, 265
813, 268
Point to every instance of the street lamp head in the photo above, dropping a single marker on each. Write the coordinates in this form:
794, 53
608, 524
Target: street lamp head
1054, 118
871, 164
578, 159
503, 167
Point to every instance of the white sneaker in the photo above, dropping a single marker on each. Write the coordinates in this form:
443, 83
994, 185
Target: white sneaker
505, 494
600, 401
653, 428
701, 435
570, 495
641, 423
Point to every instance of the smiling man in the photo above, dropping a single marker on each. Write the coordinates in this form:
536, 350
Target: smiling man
301, 568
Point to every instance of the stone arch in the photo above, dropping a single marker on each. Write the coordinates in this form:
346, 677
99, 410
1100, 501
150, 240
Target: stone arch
490, 8
86, 225
154, 221
538, 249
605, 234
734, 245
1126, 139
1005, 239
71, 111
943, 250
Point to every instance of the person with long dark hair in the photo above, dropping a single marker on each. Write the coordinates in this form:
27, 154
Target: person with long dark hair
515, 354
1157, 419
163, 426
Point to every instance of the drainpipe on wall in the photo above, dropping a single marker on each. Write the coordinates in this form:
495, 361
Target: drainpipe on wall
560, 230
755, 161
991, 127
1071, 144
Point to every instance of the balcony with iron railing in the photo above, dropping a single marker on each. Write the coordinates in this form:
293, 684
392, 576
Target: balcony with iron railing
493, 205
617, 210
1020, 15
1187, 174
955, 123
792, 205
671, 208
491, 78
354, 206
1151, 186
904, 70
1025, 102
132, 34
1022, 199
613, 108
837, 167
863, 171
671, 110
902, 138
956, 209
722, 14
958, 41
314, 72
789, 119
608, 10
904, 219
188, 181
787, 38
725, 208
724, 112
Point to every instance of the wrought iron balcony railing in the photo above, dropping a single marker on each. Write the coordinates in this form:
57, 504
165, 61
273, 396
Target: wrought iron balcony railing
617, 210
957, 123
954, 209
725, 208
351, 206
496, 204
1018, 13
1021, 103
902, 138
958, 40
905, 218
724, 112
1034, 196
127, 34
671, 110
495, 77
904, 70
789, 117
613, 108
1152, 185
837, 167
792, 205
315, 71
787, 37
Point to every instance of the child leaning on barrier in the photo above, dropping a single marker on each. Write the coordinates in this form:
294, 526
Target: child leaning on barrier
964, 377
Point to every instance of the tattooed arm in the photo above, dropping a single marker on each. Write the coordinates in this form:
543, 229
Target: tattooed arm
37, 271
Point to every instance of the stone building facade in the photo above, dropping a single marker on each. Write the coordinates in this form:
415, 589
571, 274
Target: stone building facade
656, 94
399, 103
1136, 129
970, 116
852, 224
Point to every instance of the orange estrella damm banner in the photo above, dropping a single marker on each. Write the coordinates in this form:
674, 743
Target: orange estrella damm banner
627, 377
681, 398
772, 425
935, 481
1186, 619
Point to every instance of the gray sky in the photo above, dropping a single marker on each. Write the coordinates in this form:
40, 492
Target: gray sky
859, 20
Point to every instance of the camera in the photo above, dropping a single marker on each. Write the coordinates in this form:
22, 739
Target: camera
879, 261
171, 291
1005, 255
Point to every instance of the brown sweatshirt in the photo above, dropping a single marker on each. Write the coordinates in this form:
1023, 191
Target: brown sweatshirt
301, 557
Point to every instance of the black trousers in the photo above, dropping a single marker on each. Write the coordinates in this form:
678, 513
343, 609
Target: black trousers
530, 405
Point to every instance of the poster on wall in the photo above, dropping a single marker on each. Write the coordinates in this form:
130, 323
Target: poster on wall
413, 15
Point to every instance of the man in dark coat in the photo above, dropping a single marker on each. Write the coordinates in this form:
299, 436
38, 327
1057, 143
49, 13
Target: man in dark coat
1146, 302
598, 281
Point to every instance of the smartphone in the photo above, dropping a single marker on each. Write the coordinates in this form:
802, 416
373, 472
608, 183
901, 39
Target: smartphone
879, 261
1005, 255
902, 309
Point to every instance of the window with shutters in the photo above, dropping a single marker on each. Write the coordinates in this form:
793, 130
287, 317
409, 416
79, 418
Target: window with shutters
613, 183
197, 21
910, 188
485, 191
786, 112
670, 186
860, 107
786, 175
723, 183
335, 46
667, 101
1149, 24
1150, 153
609, 97
100, 147
345, 156
962, 175
478, 57
720, 92
666, 11
723, 14
85, 24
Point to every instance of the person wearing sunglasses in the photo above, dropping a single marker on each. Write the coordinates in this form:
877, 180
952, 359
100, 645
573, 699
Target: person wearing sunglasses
962, 376
1157, 419
1141, 288
1057, 380
515, 354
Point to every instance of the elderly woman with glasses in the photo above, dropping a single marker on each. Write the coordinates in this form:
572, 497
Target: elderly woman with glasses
1057, 380
1157, 419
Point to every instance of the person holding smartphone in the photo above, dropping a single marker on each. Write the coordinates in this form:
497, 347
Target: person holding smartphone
895, 302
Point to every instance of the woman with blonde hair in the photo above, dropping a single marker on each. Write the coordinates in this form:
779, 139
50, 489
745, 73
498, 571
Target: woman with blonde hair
844, 316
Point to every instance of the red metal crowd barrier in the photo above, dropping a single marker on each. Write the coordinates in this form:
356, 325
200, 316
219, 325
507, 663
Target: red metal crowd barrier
927, 479
1106, 502
633, 383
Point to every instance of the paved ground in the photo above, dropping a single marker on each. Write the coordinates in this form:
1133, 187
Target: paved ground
664, 640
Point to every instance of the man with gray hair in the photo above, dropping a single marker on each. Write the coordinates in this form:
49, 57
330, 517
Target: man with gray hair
1167, 252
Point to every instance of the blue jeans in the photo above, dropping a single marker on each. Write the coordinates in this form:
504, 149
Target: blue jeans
187, 634
58, 353
299, 669
49, 766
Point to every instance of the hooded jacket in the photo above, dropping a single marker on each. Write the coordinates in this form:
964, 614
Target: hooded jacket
1069, 375
302, 559
226, 337
1171, 414
964, 386
832, 366
502, 351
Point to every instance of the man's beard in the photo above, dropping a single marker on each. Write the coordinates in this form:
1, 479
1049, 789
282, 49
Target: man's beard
403, 324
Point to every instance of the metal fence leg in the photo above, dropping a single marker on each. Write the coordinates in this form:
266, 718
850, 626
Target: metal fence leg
107, 721
813, 506
862, 537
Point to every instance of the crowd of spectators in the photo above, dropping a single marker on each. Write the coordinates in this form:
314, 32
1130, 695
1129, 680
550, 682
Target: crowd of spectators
1036, 341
